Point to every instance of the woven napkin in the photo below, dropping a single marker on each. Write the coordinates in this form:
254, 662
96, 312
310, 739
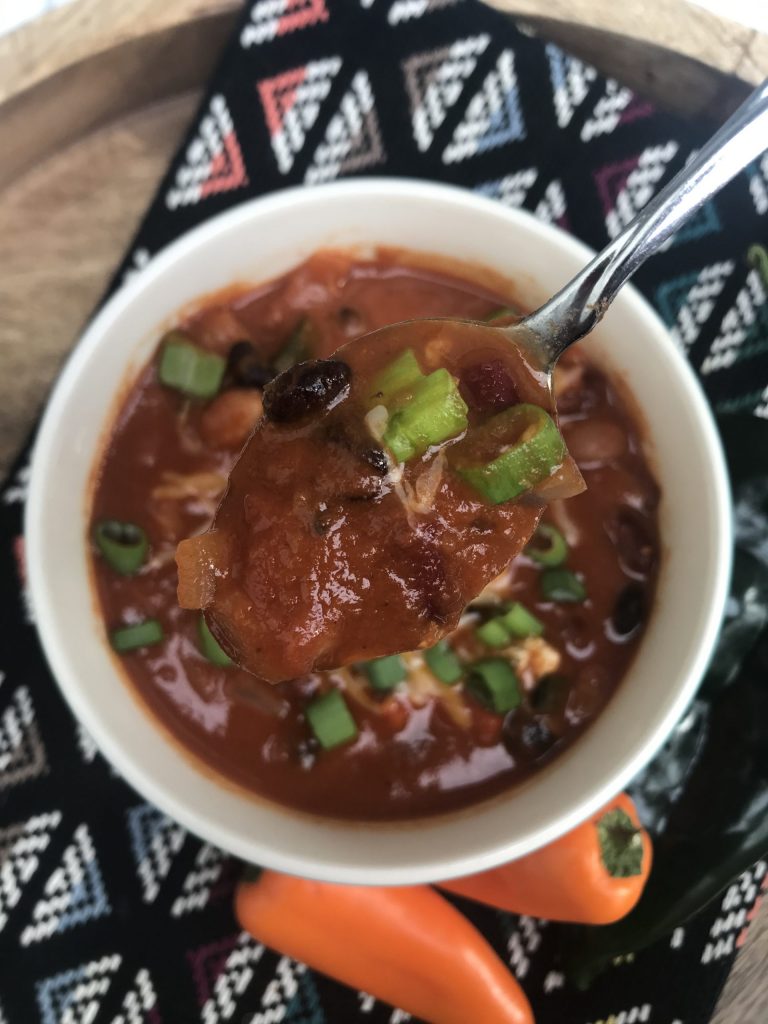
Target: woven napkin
111, 913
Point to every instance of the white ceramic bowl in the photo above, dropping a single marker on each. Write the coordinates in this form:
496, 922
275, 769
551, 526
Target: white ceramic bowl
254, 242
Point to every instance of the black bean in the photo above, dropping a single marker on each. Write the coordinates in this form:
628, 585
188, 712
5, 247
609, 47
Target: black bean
527, 736
633, 535
629, 611
377, 460
306, 389
245, 367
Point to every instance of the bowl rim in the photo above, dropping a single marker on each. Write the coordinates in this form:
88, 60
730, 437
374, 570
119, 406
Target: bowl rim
161, 794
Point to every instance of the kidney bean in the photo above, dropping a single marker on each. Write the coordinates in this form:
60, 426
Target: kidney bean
488, 387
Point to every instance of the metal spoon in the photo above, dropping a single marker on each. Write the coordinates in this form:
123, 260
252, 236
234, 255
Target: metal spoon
581, 304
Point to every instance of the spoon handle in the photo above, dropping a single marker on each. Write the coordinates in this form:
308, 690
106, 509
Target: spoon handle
580, 305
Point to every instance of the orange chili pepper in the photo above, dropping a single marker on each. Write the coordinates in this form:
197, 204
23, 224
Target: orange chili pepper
593, 875
407, 946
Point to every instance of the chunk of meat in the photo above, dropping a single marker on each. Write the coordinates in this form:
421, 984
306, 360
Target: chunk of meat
228, 420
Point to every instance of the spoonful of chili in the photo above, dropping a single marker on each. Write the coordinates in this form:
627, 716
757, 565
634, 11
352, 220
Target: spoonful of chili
385, 487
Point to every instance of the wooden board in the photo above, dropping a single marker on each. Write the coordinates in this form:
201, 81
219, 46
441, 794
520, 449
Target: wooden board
95, 107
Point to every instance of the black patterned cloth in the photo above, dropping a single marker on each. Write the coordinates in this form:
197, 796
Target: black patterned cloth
111, 913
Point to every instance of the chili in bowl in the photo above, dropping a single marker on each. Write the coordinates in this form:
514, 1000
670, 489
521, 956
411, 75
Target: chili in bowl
557, 683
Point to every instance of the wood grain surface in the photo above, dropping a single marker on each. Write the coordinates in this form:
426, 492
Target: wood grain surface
92, 136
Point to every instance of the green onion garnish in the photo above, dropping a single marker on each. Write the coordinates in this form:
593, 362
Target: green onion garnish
142, 634
520, 623
494, 633
548, 546
442, 662
210, 646
563, 586
404, 372
433, 412
124, 546
510, 453
385, 673
501, 313
330, 720
189, 368
296, 349
494, 684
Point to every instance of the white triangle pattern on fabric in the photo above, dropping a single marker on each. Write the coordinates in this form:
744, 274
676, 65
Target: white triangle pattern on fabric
737, 325
639, 186
213, 161
139, 1000
493, 117
75, 996
272, 18
235, 976
406, 10
155, 841
761, 409
512, 189
571, 79
435, 80
21, 847
196, 887
607, 111
292, 102
758, 184
738, 899
86, 743
73, 894
22, 754
551, 208
699, 301
352, 139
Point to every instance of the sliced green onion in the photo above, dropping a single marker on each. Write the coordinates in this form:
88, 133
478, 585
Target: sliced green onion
494, 684
210, 646
123, 545
434, 412
142, 634
510, 453
442, 662
189, 368
385, 673
330, 720
494, 633
520, 623
296, 349
548, 546
563, 586
501, 313
404, 372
